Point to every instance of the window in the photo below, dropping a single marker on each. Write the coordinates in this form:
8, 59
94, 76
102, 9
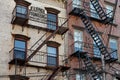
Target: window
51, 21
96, 50
78, 38
113, 45
77, 3
21, 11
80, 77
52, 56
109, 10
19, 49
93, 11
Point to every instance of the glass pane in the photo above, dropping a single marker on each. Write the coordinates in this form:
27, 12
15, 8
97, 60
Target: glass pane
113, 46
51, 21
80, 76
19, 54
96, 50
21, 9
19, 44
51, 17
52, 56
77, 3
51, 60
19, 49
78, 38
109, 10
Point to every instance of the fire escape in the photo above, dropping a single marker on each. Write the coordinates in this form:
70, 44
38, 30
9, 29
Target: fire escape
22, 19
89, 27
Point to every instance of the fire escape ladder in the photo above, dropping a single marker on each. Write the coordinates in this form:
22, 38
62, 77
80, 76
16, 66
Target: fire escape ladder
90, 67
100, 11
54, 73
40, 45
93, 33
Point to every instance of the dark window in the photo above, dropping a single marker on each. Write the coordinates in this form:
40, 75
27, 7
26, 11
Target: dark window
52, 21
52, 56
21, 11
19, 49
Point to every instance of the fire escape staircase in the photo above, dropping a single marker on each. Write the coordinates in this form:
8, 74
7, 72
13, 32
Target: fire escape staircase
93, 33
101, 12
95, 74
54, 73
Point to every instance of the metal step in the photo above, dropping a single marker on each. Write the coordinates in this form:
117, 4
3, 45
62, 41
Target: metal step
93, 33
100, 11
90, 67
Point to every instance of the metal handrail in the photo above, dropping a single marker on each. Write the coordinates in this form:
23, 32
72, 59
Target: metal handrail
90, 48
40, 57
87, 8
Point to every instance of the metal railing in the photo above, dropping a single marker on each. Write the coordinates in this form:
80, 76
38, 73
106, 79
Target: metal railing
90, 11
40, 57
92, 49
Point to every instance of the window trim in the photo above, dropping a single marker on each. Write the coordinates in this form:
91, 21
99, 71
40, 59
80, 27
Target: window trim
52, 21
55, 45
21, 38
53, 11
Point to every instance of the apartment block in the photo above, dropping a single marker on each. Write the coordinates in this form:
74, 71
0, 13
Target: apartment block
32, 40
93, 39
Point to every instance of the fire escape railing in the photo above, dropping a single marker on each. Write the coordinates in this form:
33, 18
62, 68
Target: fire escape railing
90, 12
40, 57
92, 49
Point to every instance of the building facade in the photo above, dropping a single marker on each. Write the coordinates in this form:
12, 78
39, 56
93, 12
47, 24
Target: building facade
93, 30
32, 39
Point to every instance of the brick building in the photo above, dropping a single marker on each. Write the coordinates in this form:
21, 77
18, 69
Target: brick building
93, 39
32, 41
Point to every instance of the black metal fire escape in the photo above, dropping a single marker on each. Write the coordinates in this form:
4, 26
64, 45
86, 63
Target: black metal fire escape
93, 33
95, 36
101, 12
95, 74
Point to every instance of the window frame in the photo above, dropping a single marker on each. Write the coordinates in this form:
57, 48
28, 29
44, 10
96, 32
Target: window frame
18, 39
113, 38
21, 38
80, 40
52, 22
54, 45
56, 57
24, 4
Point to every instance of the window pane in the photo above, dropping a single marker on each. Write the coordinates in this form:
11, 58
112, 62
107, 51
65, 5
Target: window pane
77, 3
19, 49
78, 38
113, 46
52, 21
21, 9
52, 56
109, 10
96, 50
80, 76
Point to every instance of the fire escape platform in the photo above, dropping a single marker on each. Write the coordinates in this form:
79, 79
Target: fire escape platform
19, 62
78, 54
18, 77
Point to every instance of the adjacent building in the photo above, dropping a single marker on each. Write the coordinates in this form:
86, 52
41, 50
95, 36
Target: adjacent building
93, 30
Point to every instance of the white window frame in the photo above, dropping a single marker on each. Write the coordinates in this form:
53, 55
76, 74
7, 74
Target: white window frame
78, 39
